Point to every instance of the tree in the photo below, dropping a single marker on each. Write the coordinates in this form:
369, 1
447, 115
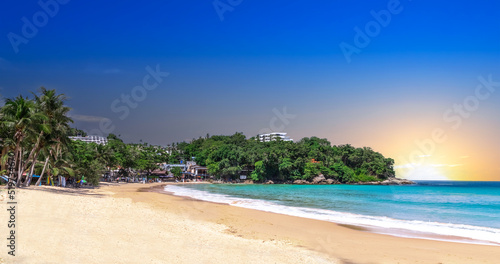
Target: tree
53, 129
20, 116
176, 171
258, 174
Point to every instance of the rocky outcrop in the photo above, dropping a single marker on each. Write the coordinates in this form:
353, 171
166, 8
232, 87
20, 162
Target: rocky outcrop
389, 181
332, 181
301, 182
269, 182
319, 179
396, 181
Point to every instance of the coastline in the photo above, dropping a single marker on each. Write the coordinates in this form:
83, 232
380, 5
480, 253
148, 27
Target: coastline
346, 241
130, 223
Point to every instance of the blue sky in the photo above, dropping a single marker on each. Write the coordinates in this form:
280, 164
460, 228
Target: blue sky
228, 76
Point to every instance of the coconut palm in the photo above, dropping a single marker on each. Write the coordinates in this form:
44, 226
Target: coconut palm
52, 106
19, 116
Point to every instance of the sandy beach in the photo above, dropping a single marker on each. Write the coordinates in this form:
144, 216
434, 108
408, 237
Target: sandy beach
135, 223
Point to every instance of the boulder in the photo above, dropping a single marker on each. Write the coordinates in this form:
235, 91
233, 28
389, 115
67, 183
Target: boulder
301, 182
396, 181
331, 181
269, 182
318, 179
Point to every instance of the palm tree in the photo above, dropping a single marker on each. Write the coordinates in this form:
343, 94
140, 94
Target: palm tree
19, 116
52, 106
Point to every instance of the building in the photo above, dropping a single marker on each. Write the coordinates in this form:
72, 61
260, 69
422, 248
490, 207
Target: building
198, 171
95, 139
273, 136
168, 167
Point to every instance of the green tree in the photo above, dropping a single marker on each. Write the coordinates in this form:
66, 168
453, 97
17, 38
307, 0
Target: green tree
258, 175
176, 171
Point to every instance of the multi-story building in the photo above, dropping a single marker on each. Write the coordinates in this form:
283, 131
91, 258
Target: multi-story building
273, 136
95, 139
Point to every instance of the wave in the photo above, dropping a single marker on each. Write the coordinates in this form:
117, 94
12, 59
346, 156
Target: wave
380, 224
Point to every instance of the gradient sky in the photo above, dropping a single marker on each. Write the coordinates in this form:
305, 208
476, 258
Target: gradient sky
228, 75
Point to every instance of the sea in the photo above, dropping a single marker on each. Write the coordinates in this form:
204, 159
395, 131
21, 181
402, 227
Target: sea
459, 211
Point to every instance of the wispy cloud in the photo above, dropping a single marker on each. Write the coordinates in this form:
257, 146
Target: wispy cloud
87, 118
446, 165
424, 156
405, 166
414, 166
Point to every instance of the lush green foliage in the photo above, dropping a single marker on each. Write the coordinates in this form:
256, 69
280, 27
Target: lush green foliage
176, 171
36, 132
230, 156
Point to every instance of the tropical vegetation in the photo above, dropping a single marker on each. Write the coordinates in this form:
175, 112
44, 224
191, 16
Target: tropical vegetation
35, 132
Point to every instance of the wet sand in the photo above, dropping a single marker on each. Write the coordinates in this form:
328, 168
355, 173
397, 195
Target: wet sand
134, 223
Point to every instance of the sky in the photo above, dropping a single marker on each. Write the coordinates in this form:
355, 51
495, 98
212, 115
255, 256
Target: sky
418, 81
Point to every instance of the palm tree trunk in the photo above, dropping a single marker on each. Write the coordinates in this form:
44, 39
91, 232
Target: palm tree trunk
16, 154
30, 175
43, 170
34, 152
19, 168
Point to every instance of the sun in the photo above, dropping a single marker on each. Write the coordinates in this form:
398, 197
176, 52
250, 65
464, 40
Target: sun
425, 173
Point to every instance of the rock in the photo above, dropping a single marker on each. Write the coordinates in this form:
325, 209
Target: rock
318, 179
396, 181
248, 182
331, 181
301, 182
269, 182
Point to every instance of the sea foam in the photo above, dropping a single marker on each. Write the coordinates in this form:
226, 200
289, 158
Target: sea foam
380, 224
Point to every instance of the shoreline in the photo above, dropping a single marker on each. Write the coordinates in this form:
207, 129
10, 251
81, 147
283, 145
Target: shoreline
439, 244
410, 229
135, 223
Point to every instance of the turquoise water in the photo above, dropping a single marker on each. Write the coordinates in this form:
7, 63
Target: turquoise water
466, 209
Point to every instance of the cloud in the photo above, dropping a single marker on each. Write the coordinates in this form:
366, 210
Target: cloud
406, 166
87, 118
415, 166
424, 156
446, 165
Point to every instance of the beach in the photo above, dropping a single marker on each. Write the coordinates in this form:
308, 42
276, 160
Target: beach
137, 223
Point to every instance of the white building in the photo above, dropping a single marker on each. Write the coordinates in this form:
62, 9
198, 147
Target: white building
95, 139
273, 136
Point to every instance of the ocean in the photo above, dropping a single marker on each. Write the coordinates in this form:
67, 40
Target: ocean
467, 212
